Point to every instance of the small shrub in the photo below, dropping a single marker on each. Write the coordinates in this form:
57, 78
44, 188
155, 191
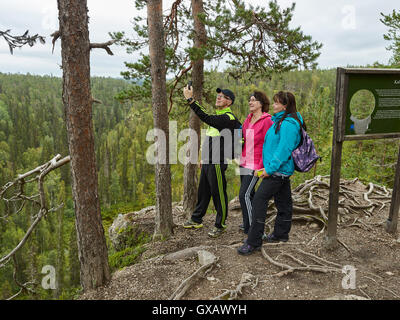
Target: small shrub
130, 255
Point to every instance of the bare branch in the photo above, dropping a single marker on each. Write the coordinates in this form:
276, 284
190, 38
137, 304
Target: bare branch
177, 79
24, 287
104, 46
170, 24
55, 35
40, 172
96, 101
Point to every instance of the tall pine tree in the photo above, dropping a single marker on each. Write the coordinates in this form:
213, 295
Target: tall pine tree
77, 98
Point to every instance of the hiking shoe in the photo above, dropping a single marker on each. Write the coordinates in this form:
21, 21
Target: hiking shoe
271, 238
264, 238
216, 232
247, 249
192, 225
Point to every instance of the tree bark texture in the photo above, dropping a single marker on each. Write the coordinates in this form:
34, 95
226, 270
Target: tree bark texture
163, 220
190, 180
93, 256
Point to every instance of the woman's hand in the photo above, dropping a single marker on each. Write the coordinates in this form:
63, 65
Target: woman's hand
261, 174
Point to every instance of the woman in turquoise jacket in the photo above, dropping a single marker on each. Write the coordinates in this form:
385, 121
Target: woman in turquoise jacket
280, 141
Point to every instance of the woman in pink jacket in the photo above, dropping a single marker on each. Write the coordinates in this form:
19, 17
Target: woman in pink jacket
254, 129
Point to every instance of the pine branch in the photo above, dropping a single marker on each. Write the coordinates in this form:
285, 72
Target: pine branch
104, 46
19, 41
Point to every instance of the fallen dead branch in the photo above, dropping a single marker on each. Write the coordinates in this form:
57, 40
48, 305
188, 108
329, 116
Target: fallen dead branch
188, 283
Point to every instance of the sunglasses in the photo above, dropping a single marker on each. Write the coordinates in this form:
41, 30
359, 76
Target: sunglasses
223, 96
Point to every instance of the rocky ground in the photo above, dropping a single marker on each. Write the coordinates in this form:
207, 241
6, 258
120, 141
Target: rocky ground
365, 265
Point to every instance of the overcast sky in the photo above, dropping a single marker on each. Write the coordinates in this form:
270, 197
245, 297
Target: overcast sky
350, 31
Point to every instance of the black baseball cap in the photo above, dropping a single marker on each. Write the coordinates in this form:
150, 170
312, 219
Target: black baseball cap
227, 93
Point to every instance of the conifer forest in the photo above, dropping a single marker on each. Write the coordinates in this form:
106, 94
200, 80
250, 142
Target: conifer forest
33, 129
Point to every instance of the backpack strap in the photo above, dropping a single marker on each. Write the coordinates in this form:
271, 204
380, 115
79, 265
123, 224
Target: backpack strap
301, 124
301, 132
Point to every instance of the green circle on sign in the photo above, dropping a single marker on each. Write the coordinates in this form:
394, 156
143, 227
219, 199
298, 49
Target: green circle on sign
362, 104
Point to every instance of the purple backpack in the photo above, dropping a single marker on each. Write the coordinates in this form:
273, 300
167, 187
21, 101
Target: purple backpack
304, 156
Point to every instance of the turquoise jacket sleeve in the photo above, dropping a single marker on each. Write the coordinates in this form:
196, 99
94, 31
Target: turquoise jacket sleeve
288, 140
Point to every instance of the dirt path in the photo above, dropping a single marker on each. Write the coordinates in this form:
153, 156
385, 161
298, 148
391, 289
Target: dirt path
371, 253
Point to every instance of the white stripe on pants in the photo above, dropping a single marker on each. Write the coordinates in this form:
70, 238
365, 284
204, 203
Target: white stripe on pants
249, 207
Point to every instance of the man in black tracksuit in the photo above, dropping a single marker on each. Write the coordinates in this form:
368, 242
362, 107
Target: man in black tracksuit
216, 149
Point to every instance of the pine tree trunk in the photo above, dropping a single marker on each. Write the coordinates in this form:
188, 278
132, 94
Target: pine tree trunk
190, 171
107, 173
73, 259
92, 249
163, 220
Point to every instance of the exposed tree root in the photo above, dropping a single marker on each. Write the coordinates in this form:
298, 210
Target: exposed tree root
246, 281
388, 290
356, 201
322, 265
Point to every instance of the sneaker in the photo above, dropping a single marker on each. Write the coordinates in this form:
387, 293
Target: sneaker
192, 225
216, 232
247, 249
272, 239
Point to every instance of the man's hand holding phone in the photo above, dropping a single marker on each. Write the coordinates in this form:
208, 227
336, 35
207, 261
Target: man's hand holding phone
188, 91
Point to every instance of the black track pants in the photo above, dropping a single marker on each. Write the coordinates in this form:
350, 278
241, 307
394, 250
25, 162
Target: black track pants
212, 185
279, 188
246, 195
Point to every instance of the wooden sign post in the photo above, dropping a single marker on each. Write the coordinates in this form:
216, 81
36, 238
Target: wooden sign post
379, 89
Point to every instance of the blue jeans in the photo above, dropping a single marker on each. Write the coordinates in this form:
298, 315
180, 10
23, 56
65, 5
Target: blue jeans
279, 188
